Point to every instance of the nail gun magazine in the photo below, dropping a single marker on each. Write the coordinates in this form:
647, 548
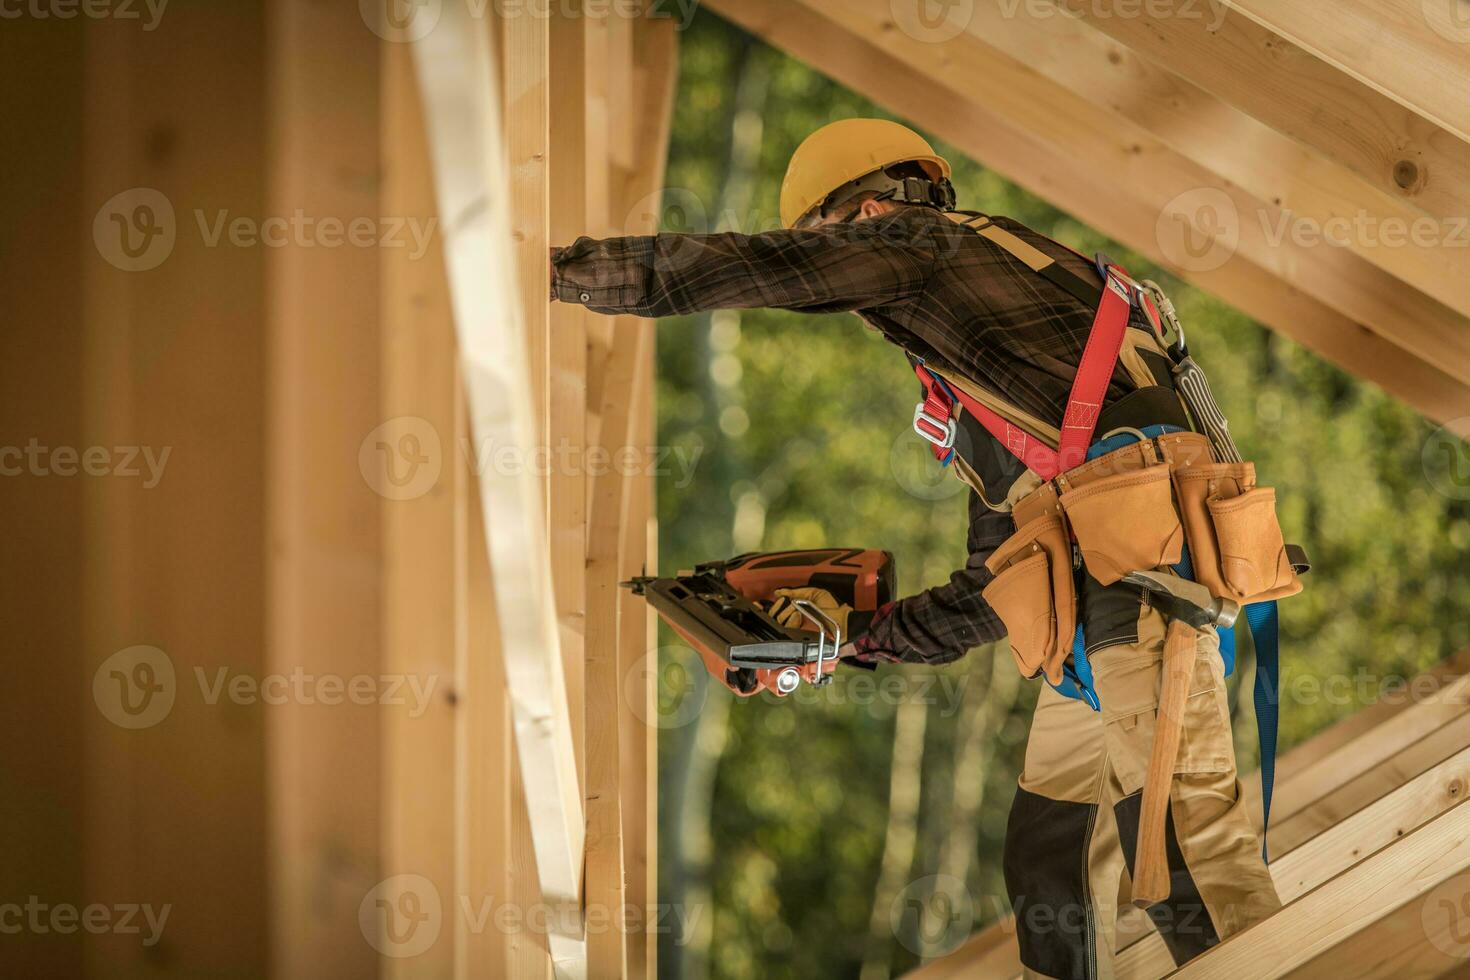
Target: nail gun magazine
715, 608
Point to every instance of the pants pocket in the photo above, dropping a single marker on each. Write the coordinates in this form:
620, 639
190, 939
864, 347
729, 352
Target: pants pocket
1126, 522
1034, 595
1130, 684
1253, 558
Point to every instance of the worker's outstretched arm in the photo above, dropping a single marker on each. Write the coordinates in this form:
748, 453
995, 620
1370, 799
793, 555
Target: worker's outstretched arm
836, 268
943, 623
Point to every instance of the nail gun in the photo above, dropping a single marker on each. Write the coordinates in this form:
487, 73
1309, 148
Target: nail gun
714, 608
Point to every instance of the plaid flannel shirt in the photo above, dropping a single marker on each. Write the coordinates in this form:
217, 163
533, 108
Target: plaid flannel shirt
935, 289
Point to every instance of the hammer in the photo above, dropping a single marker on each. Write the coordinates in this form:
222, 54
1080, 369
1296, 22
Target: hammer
1190, 608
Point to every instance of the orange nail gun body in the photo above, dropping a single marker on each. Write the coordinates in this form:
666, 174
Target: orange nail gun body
713, 608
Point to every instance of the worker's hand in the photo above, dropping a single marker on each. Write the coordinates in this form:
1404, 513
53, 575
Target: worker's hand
782, 608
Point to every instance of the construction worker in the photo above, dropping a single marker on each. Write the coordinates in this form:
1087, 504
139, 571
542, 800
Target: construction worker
995, 319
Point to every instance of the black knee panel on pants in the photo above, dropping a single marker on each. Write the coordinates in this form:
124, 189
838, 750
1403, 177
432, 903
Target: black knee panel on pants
1182, 919
1046, 875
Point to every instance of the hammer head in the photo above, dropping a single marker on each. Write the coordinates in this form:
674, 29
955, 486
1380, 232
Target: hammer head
1179, 598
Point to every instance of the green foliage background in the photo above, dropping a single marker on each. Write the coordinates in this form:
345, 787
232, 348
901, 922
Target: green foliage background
800, 425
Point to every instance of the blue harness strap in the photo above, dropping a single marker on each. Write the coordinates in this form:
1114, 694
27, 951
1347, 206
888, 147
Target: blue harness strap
1265, 634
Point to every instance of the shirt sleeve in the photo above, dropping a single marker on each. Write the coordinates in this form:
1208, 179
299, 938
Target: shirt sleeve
943, 623
836, 268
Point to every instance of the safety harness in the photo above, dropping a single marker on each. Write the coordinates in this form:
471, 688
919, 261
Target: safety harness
1114, 300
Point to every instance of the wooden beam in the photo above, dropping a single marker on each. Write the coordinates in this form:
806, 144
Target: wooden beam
456, 71
422, 621
1126, 208
1305, 862
1310, 191
1412, 51
1250, 65
324, 504
1120, 154
1350, 903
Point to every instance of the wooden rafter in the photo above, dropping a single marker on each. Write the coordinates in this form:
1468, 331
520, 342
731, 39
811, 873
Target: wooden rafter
1246, 63
1126, 205
1303, 187
457, 77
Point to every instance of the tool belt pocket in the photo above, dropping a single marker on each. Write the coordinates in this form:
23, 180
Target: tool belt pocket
1034, 595
1125, 522
1234, 536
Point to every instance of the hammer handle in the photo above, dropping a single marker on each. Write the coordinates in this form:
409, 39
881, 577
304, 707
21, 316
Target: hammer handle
1151, 866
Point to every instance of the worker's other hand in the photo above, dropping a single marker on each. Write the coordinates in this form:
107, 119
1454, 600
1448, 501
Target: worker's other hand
783, 610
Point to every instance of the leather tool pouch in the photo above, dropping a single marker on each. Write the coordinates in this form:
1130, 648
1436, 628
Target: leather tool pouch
1235, 540
1125, 522
1035, 595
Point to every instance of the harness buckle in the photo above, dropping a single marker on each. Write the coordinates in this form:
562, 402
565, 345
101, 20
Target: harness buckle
940, 432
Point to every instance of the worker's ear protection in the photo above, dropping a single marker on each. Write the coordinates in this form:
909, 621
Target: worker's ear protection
917, 191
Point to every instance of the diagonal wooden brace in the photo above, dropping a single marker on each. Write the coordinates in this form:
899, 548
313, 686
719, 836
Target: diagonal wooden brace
1151, 863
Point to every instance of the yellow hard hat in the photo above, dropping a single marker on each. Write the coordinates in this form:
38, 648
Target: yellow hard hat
845, 150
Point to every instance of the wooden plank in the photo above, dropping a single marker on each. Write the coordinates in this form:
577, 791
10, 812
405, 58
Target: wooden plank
1412, 51
566, 423
456, 74
1350, 903
1311, 191
1119, 153
1307, 862
655, 48
607, 947
1251, 66
1125, 207
324, 504
420, 533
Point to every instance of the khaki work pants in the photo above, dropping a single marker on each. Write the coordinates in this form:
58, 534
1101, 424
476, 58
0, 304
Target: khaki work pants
1074, 823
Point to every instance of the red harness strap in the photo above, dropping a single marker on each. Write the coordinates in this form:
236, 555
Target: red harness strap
934, 417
